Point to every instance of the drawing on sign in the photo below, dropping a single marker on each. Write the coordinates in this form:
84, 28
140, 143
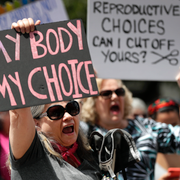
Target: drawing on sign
172, 61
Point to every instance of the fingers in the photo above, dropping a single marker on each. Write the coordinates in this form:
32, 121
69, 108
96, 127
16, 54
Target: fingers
29, 24
38, 22
15, 26
25, 25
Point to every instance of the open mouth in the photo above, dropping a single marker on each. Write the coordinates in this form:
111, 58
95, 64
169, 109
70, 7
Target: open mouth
115, 109
68, 129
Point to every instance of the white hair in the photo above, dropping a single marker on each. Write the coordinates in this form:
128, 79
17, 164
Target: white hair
37, 110
138, 103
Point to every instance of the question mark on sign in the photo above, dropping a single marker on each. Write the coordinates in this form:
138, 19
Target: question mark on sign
143, 55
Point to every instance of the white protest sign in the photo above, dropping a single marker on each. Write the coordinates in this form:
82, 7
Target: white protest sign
45, 10
135, 39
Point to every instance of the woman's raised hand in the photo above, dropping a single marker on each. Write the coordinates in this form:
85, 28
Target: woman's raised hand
25, 25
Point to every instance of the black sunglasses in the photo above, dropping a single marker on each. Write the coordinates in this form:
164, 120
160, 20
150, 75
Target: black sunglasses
56, 112
108, 93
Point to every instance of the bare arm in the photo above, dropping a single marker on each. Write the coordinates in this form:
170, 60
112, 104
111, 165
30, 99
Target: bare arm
22, 131
22, 126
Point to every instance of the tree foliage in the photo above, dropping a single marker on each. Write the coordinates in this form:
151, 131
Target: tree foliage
76, 9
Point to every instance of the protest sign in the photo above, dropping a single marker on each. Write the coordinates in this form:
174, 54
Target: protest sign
44, 10
134, 39
47, 65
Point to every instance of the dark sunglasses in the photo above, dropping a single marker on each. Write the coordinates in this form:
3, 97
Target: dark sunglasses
56, 112
108, 93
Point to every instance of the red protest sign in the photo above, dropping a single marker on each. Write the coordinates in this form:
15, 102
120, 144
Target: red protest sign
47, 65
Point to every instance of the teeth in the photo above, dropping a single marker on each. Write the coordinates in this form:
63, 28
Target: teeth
69, 126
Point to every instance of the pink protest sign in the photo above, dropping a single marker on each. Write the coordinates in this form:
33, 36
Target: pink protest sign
48, 65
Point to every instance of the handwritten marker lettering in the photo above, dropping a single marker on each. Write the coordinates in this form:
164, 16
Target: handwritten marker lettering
47, 65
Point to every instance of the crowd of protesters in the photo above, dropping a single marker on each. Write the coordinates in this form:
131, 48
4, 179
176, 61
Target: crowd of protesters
53, 141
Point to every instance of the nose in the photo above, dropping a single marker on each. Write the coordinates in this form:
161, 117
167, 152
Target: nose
67, 117
114, 96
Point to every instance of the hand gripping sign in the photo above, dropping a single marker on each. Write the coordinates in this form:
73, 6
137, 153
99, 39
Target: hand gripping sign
47, 65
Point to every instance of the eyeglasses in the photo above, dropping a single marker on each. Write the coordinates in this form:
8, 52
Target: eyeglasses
56, 112
107, 94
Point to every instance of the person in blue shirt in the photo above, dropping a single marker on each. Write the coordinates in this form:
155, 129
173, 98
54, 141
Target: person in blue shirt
165, 110
110, 110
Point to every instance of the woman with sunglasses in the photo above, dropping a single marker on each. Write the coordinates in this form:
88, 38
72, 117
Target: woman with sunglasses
57, 151
111, 109
56, 148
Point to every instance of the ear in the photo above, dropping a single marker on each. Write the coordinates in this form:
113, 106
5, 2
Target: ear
37, 124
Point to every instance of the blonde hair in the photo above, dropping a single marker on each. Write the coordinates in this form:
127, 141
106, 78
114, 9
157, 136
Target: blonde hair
88, 111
